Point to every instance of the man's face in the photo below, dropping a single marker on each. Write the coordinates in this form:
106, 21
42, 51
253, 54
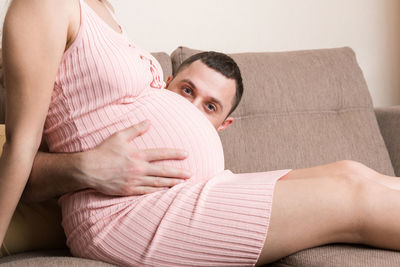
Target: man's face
210, 91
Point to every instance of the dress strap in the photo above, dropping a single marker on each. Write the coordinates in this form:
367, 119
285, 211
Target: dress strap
107, 5
121, 31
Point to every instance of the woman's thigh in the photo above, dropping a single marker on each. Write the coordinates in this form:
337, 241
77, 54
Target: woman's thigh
311, 209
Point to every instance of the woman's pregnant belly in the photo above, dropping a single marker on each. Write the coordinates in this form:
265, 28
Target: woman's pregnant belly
175, 123
89, 217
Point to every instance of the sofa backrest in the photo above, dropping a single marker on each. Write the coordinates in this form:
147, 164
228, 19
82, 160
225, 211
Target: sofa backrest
301, 109
165, 62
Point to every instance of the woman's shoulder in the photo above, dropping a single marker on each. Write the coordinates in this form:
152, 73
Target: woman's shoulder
63, 6
53, 9
48, 13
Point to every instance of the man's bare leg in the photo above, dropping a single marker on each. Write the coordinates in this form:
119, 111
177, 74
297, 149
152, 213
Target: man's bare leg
311, 210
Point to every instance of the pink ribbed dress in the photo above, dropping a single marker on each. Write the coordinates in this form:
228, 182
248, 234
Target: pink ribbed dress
217, 218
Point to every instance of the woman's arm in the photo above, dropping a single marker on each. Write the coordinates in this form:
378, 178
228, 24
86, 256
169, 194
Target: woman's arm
35, 34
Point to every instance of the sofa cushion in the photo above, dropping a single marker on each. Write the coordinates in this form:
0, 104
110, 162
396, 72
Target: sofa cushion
165, 62
301, 109
49, 258
389, 124
340, 255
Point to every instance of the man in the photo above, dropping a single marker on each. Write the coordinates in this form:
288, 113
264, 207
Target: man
210, 80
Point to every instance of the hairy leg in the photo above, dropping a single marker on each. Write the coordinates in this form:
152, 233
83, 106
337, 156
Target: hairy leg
311, 210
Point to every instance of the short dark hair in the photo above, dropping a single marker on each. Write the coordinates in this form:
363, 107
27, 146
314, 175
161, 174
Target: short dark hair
223, 64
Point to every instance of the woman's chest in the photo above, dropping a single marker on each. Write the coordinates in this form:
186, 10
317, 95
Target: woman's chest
112, 70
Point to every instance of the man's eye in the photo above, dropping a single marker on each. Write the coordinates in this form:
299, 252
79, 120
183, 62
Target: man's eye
211, 107
187, 91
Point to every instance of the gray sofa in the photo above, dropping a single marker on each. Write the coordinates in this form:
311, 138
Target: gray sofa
299, 109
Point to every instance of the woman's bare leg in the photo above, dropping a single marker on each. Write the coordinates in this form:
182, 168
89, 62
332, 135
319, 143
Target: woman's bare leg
346, 167
366, 172
310, 209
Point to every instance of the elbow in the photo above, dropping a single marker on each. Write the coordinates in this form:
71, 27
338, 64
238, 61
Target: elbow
24, 145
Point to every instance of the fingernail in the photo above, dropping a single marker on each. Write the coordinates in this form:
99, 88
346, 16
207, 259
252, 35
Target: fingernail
144, 123
187, 174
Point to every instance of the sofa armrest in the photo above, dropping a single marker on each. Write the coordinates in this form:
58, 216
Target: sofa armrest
389, 124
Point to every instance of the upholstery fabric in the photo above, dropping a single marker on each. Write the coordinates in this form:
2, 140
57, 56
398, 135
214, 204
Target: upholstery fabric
340, 255
51, 258
389, 123
301, 109
165, 62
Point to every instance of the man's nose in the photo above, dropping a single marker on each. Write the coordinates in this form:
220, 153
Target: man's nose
198, 103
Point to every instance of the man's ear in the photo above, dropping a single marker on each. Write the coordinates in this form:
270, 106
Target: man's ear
227, 122
170, 78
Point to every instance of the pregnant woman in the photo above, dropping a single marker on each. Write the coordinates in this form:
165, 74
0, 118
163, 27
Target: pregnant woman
70, 70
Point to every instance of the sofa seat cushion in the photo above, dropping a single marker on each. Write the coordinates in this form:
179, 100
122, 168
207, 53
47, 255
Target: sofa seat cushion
301, 109
49, 258
339, 255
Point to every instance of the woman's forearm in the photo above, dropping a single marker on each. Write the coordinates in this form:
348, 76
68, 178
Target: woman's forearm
14, 172
54, 175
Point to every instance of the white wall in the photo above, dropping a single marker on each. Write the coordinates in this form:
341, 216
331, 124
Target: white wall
370, 27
